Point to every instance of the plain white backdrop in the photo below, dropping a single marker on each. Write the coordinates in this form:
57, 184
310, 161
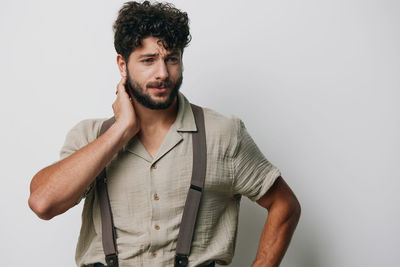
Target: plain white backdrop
316, 82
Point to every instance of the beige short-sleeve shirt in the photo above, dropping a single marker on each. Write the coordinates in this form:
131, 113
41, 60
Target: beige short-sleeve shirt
147, 195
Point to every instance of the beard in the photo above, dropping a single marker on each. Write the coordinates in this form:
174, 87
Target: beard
136, 90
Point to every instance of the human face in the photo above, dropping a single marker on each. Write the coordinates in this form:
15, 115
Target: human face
154, 74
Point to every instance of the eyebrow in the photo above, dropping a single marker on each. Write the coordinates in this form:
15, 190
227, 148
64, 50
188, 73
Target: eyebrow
174, 53
148, 55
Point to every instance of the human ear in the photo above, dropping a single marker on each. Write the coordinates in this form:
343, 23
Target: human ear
121, 65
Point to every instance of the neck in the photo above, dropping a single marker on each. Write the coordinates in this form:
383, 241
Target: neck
153, 119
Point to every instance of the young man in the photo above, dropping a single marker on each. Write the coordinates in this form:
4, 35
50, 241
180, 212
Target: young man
148, 155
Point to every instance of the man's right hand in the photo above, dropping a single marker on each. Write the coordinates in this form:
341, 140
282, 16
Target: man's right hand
58, 187
124, 111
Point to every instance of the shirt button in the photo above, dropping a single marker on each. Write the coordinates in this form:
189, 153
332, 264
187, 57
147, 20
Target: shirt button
156, 197
154, 166
157, 227
154, 254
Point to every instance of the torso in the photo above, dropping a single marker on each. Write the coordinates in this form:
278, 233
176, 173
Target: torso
134, 179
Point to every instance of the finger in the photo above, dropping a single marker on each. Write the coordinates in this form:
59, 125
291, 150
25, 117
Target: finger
123, 79
121, 88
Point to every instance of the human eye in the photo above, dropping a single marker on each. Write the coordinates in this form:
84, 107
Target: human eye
147, 61
173, 60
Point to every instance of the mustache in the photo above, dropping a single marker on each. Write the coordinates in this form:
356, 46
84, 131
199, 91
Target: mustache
166, 83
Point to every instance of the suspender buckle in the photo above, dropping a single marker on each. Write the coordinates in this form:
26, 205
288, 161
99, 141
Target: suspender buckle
181, 260
112, 260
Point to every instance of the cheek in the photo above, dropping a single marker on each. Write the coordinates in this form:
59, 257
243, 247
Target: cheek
175, 72
141, 76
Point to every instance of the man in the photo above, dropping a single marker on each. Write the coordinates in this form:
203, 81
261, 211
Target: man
148, 154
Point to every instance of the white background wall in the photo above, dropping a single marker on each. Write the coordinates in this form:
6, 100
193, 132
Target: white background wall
316, 82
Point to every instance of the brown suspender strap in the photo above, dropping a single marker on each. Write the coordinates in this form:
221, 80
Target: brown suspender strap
107, 224
192, 204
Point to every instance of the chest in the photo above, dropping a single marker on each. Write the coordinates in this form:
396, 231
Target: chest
145, 191
139, 185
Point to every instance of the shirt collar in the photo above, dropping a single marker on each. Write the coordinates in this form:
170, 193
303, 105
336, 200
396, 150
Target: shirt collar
184, 119
184, 122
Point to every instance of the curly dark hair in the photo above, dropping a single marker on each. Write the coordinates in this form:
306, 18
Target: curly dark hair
140, 20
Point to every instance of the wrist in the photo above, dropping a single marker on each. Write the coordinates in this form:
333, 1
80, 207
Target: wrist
257, 263
263, 261
125, 131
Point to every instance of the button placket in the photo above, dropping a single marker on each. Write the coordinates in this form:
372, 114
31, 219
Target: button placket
156, 235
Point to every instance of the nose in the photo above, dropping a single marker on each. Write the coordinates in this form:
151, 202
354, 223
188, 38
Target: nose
162, 71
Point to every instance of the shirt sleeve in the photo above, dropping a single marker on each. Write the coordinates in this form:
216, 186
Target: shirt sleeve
80, 135
253, 173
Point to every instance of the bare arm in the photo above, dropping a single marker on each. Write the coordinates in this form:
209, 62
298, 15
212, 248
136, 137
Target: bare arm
58, 187
283, 215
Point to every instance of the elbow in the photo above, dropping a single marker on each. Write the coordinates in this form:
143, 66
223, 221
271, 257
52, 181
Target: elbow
296, 209
289, 210
292, 206
37, 202
40, 207
293, 211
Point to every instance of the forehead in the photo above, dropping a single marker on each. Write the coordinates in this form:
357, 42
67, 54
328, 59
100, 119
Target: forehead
153, 45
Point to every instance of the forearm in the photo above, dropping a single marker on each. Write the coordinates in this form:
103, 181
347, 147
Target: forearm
277, 233
58, 187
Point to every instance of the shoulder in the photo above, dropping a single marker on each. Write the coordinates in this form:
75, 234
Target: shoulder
222, 131
80, 135
220, 122
88, 128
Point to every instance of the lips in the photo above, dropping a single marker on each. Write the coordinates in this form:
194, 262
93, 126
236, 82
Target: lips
159, 89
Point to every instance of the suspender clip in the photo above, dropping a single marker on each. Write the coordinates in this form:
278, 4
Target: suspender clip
181, 260
112, 260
